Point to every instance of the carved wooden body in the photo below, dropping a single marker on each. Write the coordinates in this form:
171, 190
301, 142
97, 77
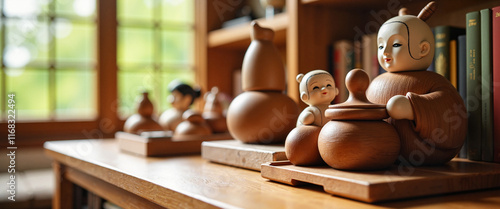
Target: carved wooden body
193, 125
439, 129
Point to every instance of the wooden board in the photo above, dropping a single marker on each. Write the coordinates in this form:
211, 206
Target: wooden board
163, 144
236, 153
399, 182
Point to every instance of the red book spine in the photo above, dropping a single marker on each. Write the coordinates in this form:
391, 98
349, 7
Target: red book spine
495, 38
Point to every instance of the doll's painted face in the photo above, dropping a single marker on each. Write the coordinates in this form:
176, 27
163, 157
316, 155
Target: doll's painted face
321, 89
179, 101
393, 48
405, 43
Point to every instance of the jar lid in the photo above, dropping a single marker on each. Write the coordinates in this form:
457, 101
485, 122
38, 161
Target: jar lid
357, 106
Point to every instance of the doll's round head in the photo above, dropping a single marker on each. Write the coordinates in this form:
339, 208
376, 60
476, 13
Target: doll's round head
317, 87
405, 43
182, 95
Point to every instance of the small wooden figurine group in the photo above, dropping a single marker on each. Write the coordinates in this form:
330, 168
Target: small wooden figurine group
425, 122
179, 119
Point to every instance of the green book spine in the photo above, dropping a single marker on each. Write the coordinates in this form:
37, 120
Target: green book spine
473, 47
486, 87
442, 51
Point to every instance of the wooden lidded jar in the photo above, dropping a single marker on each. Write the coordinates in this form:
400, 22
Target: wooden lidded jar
262, 113
357, 138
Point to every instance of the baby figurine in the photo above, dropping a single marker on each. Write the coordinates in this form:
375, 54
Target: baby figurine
423, 106
181, 97
317, 89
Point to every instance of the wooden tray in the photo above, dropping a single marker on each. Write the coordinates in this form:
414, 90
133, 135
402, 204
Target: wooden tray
396, 183
161, 144
236, 153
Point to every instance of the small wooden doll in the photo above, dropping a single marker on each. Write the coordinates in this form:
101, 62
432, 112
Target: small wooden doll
317, 89
213, 112
426, 110
181, 98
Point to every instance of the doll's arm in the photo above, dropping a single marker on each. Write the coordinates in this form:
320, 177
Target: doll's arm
306, 117
399, 107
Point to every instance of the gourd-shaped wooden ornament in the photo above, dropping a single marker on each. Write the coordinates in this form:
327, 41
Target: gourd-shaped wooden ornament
193, 125
142, 120
213, 112
262, 113
357, 138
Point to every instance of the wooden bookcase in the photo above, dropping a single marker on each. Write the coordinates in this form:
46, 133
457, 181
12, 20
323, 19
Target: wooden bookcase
304, 33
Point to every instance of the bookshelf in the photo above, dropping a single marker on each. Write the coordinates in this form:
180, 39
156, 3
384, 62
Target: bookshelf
304, 33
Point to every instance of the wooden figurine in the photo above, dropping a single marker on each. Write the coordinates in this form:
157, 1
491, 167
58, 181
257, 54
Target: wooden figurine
193, 125
317, 89
425, 108
357, 138
262, 113
213, 112
142, 120
181, 98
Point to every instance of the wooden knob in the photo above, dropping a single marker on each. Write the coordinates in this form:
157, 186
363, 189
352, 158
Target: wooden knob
357, 106
357, 82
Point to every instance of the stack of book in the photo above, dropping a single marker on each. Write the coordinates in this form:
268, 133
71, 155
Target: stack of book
482, 64
348, 55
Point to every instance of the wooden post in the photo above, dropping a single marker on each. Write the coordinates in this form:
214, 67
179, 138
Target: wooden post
63, 194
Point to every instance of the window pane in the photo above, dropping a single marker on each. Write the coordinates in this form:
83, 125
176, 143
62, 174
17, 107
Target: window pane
130, 86
135, 9
82, 8
178, 47
31, 87
74, 42
135, 45
178, 11
24, 8
75, 93
26, 42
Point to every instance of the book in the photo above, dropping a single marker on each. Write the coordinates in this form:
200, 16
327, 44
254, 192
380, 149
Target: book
343, 63
461, 79
473, 48
495, 39
369, 53
444, 35
486, 87
453, 63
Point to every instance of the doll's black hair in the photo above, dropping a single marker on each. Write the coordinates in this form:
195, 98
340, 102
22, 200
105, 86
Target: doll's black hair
185, 89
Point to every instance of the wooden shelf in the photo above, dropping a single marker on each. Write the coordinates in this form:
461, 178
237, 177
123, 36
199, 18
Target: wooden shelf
238, 37
357, 4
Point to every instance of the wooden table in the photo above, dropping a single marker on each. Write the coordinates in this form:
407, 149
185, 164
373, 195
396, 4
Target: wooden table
132, 181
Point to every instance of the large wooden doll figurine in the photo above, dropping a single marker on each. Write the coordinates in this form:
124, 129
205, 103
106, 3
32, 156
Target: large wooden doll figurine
317, 89
423, 106
181, 98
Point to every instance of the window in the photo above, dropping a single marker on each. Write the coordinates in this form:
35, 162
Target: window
48, 58
155, 46
64, 81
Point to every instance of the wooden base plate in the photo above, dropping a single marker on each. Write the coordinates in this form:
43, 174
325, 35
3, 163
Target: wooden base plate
396, 183
236, 153
154, 144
